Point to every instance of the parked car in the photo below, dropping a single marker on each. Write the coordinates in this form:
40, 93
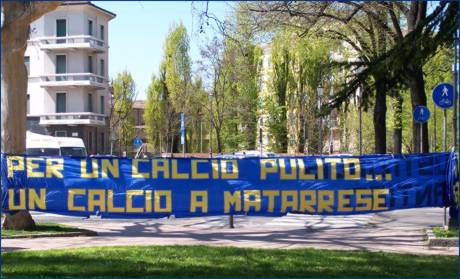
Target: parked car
42, 145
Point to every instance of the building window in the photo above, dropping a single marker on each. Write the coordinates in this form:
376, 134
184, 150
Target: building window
60, 133
102, 32
27, 64
60, 102
90, 102
28, 103
90, 64
61, 30
102, 105
102, 67
61, 66
90, 27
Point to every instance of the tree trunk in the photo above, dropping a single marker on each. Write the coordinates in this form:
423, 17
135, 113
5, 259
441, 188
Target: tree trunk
397, 131
418, 98
218, 140
17, 16
380, 110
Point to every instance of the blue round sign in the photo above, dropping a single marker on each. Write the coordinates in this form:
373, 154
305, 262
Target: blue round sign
421, 114
443, 95
137, 141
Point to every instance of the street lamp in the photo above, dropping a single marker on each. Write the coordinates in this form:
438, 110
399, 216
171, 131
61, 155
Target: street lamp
319, 94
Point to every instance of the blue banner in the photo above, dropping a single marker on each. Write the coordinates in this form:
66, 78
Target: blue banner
185, 187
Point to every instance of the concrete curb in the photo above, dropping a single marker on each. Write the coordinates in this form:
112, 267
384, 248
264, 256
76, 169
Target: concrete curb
63, 234
440, 241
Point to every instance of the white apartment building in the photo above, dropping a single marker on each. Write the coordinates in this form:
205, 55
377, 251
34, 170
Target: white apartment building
67, 63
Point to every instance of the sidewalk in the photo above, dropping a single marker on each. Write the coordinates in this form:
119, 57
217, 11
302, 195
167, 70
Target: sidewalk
390, 232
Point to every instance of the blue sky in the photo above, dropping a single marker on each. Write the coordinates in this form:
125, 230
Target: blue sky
137, 34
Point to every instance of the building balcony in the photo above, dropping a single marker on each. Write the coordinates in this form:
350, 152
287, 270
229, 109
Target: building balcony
74, 80
71, 43
73, 118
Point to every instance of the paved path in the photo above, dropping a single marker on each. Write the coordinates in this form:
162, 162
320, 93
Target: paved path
396, 231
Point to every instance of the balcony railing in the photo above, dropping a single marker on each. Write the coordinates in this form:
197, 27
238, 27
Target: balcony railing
78, 41
73, 79
72, 118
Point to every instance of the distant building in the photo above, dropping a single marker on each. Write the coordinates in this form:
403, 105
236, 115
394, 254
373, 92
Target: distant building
139, 123
67, 63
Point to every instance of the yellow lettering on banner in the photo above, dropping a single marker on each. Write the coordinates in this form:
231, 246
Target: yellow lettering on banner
344, 201
271, 194
379, 200
22, 199
94, 169
110, 206
55, 167
347, 168
32, 167
360, 200
195, 173
333, 162
148, 201
110, 166
129, 201
135, 169
70, 199
325, 201
37, 201
292, 202
18, 167
175, 171
283, 174
319, 166
163, 167
233, 174
195, 203
99, 201
302, 174
168, 203
307, 205
251, 199
232, 199
215, 169
267, 166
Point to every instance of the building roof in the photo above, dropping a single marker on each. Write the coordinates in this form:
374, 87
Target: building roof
140, 104
66, 3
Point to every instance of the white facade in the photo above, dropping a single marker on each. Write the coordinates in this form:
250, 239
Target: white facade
67, 57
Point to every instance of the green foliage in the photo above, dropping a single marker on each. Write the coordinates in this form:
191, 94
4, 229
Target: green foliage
441, 232
154, 113
173, 92
299, 67
218, 262
122, 120
41, 228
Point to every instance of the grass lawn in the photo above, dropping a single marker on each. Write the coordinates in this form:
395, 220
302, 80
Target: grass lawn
441, 232
205, 261
41, 228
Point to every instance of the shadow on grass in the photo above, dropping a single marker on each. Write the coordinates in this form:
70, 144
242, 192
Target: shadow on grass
41, 228
204, 261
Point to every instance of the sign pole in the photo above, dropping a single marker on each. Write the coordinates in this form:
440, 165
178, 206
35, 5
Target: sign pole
444, 147
444, 97
444, 140
434, 130
421, 137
